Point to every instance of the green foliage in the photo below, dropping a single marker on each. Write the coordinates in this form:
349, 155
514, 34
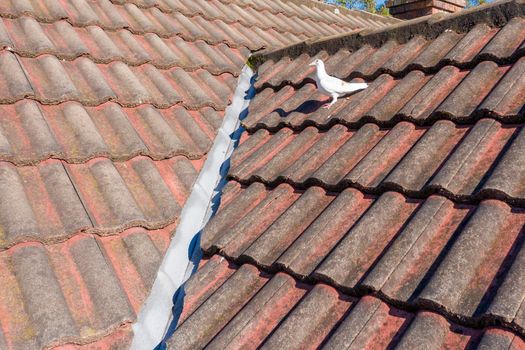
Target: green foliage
382, 10
366, 5
472, 3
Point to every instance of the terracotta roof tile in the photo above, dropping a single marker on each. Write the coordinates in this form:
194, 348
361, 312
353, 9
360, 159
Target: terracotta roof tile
109, 109
287, 227
51, 81
54, 200
286, 313
311, 321
31, 132
460, 95
465, 163
226, 302
188, 20
433, 253
245, 11
396, 58
29, 38
397, 215
74, 291
261, 315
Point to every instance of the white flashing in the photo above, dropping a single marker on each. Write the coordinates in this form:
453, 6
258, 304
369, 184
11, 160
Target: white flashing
179, 262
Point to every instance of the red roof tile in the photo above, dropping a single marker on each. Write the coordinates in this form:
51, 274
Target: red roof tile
109, 109
29, 38
390, 51
50, 81
347, 245
466, 163
213, 22
69, 292
451, 93
281, 312
31, 132
433, 253
398, 213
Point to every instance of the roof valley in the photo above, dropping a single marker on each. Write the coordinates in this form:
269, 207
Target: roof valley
109, 112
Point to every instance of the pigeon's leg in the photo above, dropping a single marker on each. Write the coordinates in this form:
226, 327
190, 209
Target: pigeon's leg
334, 100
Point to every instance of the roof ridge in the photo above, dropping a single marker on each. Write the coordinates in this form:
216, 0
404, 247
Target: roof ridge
495, 14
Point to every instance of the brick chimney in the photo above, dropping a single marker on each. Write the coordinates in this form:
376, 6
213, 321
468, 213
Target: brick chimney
407, 9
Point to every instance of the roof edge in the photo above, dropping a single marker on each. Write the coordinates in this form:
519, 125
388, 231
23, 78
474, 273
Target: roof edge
344, 10
495, 14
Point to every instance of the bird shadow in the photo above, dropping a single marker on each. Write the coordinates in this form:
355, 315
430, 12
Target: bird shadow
307, 107
310, 106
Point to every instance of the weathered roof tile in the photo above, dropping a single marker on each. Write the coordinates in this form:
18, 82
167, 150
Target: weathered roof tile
355, 253
108, 297
286, 313
465, 163
461, 281
311, 321
471, 44
426, 156
258, 221
471, 91
312, 246
507, 96
218, 309
506, 177
414, 252
278, 237
125, 93
15, 84
426, 50
73, 290
507, 41
261, 315
41, 291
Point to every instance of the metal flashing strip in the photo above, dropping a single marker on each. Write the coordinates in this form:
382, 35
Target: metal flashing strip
158, 316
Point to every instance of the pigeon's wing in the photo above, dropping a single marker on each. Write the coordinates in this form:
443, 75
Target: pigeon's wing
338, 86
320, 87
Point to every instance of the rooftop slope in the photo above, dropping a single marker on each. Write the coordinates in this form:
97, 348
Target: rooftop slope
243, 308
108, 111
408, 195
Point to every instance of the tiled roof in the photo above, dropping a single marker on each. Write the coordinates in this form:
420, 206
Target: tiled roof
457, 76
77, 290
394, 218
254, 25
466, 163
240, 307
108, 111
461, 259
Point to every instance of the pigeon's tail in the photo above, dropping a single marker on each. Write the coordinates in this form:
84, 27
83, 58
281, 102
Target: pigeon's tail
351, 87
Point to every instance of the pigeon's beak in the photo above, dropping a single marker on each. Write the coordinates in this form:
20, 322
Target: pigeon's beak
312, 64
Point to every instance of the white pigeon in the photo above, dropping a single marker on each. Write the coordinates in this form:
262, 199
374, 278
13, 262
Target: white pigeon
332, 86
